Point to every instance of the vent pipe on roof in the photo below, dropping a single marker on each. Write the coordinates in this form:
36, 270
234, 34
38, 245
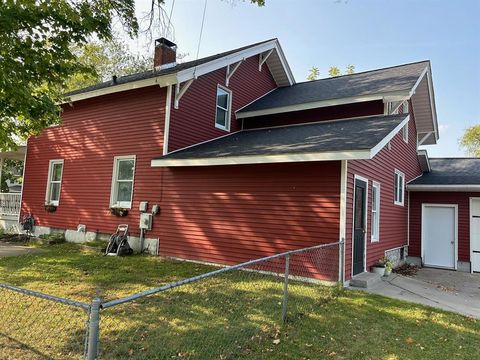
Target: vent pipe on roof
165, 54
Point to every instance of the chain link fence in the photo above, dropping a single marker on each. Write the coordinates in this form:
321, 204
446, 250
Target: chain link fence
232, 312
34, 325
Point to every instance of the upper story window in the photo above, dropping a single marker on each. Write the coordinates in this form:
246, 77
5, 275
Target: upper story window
224, 108
375, 211
54, 184
399, 188
122, 181
405, 133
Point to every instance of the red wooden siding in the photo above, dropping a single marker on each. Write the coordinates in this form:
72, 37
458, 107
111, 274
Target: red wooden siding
313, 115
462, 199
228, 214
194, 120
93, 132
393, 218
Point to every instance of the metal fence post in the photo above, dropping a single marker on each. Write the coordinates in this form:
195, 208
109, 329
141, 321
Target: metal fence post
341, 253
285, 289
93, 329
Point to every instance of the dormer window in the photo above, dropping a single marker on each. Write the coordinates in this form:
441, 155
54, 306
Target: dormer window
224, 108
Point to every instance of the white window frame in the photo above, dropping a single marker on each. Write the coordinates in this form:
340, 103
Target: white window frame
375, 227
228, 110
405, 133
48, 192
113, 192
396, 194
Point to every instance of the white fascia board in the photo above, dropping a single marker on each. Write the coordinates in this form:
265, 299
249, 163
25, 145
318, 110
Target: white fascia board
264, 159
213, 65
162, 81
190, 73
320, 104
445, 188
389, 137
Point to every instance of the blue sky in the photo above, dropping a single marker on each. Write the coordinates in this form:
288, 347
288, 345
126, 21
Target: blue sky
366, 33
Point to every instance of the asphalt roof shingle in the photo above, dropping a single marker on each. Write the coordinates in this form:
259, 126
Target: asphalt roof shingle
396, 78
451, 171
338, 135
154, 73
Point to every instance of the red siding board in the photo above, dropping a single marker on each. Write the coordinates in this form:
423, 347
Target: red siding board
194, 120
462, 199
313, 115
92, 133
393, 218
248, 211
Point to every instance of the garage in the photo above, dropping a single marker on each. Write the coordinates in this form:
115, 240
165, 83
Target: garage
439, 235
444, 215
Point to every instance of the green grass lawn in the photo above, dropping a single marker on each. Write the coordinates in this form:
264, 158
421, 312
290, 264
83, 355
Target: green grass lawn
236, 315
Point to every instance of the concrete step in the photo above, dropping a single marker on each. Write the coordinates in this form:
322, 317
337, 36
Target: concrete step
365, 280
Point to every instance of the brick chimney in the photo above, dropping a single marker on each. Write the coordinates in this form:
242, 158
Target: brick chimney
165, 53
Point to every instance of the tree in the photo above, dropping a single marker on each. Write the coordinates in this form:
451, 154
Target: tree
36, 56
107, 58
333, 71
313, 74
470, 140
12, 172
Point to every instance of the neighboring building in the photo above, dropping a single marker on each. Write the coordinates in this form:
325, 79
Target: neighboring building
242, 161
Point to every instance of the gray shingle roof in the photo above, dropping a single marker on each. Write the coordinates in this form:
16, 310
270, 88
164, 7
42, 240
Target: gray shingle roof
154, 73
326, 136
451, 171
397, 78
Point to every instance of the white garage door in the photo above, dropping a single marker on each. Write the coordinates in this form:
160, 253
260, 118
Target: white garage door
439, 235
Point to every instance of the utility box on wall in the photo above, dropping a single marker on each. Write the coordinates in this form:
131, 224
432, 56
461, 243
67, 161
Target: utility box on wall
146, 221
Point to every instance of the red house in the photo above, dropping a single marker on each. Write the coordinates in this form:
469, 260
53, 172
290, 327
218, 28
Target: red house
244, 162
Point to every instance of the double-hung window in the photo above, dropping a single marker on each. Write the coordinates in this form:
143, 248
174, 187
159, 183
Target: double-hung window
122, 181
54, 184
223, 108
375, 211
399, 188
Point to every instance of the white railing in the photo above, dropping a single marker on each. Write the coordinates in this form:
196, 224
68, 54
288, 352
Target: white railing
10, 204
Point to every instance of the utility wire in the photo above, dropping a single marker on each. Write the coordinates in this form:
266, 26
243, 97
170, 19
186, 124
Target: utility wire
200, 37
170, 17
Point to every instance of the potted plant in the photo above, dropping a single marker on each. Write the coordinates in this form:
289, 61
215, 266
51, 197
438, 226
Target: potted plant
388, 266
117, 211
383, 266
379, 267
50, 208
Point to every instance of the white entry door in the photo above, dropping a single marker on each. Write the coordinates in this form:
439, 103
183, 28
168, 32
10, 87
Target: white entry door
439, 233
475, 233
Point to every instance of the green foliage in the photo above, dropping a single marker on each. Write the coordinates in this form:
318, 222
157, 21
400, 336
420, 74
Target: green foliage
313, 74
37, 58
106, 58
470, 140
333, 71
13, 172
52, 239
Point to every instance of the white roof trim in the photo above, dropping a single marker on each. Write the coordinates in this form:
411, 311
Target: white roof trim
262, 159
389, 137
241, 55
466, 187
191, 73
322, 103
281, 158
423, 152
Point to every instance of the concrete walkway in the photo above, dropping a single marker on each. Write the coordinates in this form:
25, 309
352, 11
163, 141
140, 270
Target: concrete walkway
16, 250
449, 290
